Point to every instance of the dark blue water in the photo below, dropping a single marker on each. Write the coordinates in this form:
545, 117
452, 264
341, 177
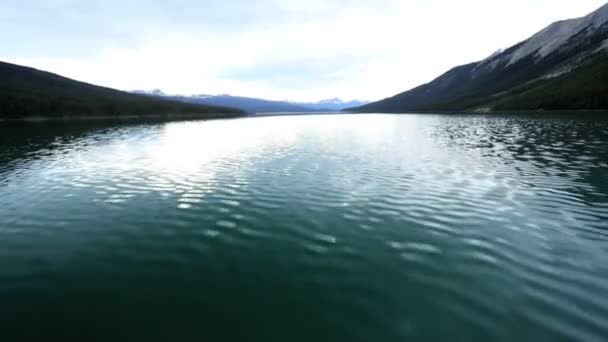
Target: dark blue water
317, 228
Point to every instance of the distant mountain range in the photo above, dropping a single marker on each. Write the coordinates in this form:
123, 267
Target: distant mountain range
332, 104
255, 105
563, 67
27, 92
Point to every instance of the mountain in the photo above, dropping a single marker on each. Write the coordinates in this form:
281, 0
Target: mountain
332, 104
563, 67
27, 92
249, 104
155, 92
255, 105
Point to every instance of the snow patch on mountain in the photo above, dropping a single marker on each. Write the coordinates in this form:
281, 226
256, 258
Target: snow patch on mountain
604, 46
558, 72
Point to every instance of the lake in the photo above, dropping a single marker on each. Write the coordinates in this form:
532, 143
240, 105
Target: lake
306, 228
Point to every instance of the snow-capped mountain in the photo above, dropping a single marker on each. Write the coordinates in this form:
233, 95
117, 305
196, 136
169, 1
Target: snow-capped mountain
255, 105
249, 104
334, 104
252, 105
555, 37
564, 66
155, 92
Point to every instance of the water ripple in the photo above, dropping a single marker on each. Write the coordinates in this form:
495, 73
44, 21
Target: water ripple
336, 228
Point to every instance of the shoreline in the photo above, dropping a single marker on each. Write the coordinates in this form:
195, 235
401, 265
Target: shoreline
177, 117
498, 112
160, 117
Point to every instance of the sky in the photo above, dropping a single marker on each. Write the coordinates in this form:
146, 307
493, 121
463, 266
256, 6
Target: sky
299, 50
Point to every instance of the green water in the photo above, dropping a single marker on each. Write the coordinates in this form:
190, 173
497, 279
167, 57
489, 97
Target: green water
318, 228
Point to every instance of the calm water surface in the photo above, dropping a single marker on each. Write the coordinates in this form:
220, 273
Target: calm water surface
319, 228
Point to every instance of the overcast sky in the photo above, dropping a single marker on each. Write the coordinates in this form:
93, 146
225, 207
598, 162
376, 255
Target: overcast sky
277, 49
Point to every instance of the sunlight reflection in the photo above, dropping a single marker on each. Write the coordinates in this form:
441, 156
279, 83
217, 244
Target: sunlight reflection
187, 146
